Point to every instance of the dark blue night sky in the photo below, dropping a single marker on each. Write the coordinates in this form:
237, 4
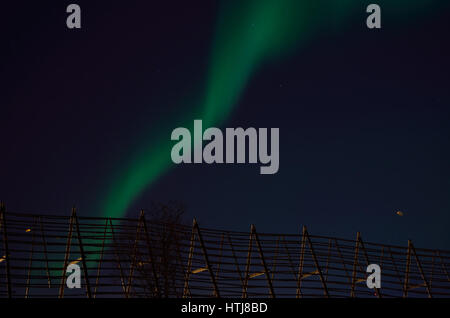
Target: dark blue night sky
363, 117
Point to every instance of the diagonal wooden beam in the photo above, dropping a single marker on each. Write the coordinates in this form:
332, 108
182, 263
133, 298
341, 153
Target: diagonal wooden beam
301, 263
6, 247
247, 266
152, 259
378, 292
102, 251
205, 255
316, 262
408, 265
83, 255
419, 265
30, 260
355, 264
118, 260
189, 263
261, 255
233, 253
135, 248
66, 255
44, 242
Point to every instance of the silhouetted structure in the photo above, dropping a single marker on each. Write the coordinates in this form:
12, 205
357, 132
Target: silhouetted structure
126, 258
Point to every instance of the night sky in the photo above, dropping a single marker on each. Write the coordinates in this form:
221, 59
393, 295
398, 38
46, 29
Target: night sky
363, 114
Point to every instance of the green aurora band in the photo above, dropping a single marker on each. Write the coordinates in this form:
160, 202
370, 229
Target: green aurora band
248, 34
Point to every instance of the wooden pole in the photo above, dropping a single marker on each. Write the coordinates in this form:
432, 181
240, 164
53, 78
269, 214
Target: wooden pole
83, 257
205, 255
6, 247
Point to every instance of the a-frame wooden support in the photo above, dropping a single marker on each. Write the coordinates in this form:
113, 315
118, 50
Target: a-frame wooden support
307, 240
407, 287
74, 223
197, 233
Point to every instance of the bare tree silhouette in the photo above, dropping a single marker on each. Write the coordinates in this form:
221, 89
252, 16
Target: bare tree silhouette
161, 274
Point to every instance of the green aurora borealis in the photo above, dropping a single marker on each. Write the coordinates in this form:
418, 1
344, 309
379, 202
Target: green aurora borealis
247, 34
